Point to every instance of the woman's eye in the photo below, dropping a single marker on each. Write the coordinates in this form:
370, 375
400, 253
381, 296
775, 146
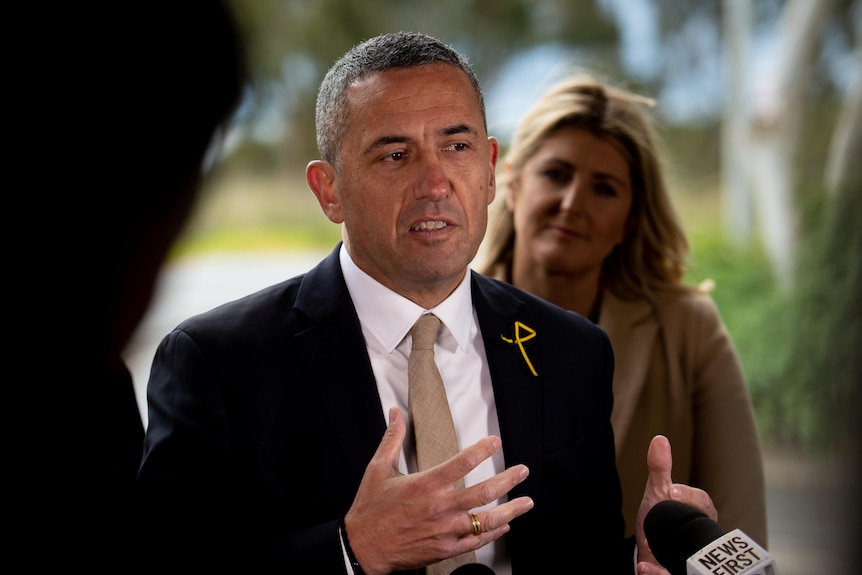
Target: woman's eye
556, 175
605, 190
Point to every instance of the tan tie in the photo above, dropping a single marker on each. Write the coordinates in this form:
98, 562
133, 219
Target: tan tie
432, 421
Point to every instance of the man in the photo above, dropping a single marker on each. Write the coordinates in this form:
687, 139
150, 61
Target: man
266, 414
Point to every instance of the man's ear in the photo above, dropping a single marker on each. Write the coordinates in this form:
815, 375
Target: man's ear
320, 177
494, 155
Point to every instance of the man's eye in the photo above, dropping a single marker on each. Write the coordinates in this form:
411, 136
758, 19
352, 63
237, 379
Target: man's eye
396, 156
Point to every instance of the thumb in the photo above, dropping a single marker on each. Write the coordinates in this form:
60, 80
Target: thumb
389, 451
659, 462
658, 488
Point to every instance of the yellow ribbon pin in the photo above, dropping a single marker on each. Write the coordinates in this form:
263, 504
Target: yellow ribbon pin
519, 341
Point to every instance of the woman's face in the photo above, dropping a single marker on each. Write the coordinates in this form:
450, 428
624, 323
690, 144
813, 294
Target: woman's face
571, 203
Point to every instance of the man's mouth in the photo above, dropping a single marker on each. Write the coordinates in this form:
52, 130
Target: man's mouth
431, 225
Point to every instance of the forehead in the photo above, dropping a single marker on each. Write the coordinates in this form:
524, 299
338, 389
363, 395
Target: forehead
428, 93
584, 145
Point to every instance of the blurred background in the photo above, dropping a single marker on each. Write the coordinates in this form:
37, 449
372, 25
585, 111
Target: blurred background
760, 109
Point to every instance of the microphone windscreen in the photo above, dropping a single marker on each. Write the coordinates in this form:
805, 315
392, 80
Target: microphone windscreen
675, 531
473, 569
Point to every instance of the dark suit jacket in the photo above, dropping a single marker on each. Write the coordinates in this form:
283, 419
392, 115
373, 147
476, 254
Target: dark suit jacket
264, 412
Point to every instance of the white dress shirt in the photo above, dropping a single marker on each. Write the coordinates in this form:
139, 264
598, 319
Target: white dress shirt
386, 318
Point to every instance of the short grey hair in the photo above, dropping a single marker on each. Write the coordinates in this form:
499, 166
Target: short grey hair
385, 52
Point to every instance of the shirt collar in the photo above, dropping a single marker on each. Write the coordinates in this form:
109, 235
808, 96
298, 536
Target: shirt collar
388, 316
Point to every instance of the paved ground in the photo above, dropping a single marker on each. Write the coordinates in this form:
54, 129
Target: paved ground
807, 496
810, 502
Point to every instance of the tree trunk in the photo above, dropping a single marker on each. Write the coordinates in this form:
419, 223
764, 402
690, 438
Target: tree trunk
777, 107
736, 194
844, 171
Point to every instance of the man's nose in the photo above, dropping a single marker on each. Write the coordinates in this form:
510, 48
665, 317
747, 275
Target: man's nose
434, 180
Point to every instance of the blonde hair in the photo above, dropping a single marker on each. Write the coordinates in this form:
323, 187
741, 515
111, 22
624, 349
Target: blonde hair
653, 255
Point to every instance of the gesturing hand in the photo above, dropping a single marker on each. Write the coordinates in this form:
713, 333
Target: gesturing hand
659, 487
399, 522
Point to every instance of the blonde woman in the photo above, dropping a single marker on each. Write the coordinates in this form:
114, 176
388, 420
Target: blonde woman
587, 223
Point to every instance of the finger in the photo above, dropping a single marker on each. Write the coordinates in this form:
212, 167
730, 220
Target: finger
466, 460
696, 498
493, 522
500, 516
494, 488
649, 568
490, 525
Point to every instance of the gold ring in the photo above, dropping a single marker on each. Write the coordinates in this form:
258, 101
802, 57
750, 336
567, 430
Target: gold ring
477, 527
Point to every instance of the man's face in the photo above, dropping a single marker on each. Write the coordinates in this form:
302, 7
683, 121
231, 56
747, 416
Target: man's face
417, 176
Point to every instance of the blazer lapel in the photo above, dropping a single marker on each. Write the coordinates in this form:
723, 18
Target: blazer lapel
632, 329
337, 363
517, 391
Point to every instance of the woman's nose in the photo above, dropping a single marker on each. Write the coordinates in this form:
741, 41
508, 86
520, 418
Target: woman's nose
571, 196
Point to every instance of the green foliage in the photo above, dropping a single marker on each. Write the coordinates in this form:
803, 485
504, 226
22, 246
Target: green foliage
800, 351
753, 310
309, 236
822, 380
244, 211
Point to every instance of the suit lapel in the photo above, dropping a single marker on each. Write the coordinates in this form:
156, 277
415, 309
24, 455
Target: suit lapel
517, 391
632, 329
338, 364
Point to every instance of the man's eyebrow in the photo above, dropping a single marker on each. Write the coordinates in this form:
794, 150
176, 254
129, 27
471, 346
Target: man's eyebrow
385, 141
458, 129
399, 139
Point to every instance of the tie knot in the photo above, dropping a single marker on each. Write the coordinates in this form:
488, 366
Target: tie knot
424, 331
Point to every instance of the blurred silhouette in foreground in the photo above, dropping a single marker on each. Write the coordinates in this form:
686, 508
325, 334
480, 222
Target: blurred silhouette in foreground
139, 95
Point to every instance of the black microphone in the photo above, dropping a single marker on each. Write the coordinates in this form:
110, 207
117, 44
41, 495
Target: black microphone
473, 569
687, 542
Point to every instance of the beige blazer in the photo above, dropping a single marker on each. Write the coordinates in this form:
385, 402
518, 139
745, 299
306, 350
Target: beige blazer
677, 373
